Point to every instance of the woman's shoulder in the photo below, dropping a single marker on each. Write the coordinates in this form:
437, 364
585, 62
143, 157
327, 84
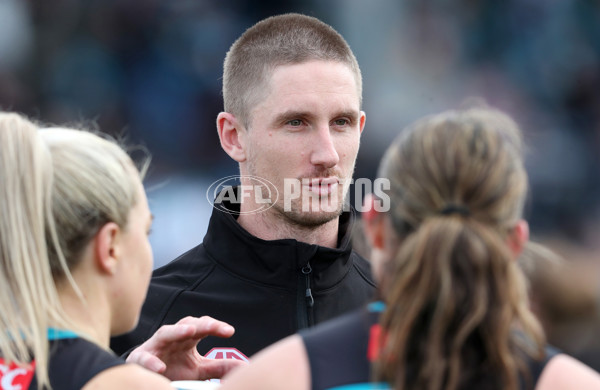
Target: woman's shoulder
127, 376
565, 372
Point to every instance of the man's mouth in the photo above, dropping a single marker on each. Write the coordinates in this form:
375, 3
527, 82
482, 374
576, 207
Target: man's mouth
322, 186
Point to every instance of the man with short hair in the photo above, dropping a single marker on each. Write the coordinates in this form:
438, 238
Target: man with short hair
292, 97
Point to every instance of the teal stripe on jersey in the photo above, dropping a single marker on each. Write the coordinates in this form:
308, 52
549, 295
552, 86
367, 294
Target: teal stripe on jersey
59, 334
376, 307
363, 386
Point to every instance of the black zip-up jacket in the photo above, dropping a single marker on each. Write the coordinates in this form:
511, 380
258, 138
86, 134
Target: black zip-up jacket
267, 290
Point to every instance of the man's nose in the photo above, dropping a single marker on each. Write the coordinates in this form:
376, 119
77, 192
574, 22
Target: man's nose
324, 152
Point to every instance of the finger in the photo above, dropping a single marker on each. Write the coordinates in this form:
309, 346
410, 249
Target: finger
168, 335
208, 326
217, 368
147, 360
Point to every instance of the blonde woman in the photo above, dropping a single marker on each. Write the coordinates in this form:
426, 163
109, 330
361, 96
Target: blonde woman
454, 313
75, 261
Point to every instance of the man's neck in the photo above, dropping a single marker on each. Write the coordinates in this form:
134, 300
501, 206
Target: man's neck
268, 226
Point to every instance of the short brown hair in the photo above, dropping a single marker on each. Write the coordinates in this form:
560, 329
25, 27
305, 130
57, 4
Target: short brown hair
278, 40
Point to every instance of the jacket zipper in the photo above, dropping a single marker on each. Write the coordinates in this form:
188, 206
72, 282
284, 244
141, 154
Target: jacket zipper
306, 300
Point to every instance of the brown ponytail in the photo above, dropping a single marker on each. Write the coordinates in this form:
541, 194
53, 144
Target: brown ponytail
457, 313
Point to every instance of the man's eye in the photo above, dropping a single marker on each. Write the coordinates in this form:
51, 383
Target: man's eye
341, 122
295, 122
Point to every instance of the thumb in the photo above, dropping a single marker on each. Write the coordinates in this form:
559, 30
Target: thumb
217, 368
147, 360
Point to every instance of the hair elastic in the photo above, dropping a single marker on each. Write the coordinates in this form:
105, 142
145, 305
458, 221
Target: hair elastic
455, 209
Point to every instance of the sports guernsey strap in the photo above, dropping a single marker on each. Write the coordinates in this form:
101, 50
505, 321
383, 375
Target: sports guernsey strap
340, 350
536, 367
74, 360
13, 376
372, 350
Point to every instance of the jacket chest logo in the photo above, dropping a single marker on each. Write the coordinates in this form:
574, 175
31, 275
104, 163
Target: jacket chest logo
226, 353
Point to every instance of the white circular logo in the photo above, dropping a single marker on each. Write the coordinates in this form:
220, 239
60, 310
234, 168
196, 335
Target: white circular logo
228, 194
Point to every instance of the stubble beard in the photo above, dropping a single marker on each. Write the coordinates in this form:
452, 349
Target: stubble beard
320, 210
311, 210
310, 218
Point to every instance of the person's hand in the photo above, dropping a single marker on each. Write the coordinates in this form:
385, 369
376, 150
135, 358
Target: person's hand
172, 352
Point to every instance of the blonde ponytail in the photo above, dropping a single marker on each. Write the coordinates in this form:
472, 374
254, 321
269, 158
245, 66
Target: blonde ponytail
28, 295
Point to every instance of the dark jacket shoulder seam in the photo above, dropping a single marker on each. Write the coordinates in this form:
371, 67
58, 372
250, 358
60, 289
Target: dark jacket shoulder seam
363, 275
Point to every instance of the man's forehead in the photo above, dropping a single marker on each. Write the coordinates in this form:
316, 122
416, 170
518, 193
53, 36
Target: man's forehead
321, 77
309, 69
289, 81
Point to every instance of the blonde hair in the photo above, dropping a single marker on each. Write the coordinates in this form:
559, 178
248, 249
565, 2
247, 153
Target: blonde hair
278, 40
454, 293
59, 186
93, 185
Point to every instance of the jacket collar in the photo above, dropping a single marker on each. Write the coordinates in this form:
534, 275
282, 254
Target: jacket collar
277, 262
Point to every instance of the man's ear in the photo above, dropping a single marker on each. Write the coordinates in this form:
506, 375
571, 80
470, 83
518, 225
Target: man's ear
362, 120
518, 237
373, 223
106, 248
230, 134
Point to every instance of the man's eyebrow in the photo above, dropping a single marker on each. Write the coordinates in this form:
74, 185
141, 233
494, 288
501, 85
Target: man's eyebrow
349, 114
291, 114
295, 114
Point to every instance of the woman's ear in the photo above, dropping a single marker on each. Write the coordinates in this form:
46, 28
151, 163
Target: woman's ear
518, 237
106, 248
231, 137
373, 223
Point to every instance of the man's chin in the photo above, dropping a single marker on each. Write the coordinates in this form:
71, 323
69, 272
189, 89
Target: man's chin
311, 218
311, 211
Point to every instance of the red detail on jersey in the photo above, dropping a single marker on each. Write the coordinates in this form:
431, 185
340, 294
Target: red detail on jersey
226, 353
374, 342
13, 377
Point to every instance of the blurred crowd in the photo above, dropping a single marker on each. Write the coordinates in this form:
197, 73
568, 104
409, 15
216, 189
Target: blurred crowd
150, 70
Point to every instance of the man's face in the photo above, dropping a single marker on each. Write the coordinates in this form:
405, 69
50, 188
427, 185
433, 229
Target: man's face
307, 129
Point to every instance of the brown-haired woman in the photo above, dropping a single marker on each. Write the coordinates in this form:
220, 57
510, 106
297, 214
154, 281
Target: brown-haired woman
456, 312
